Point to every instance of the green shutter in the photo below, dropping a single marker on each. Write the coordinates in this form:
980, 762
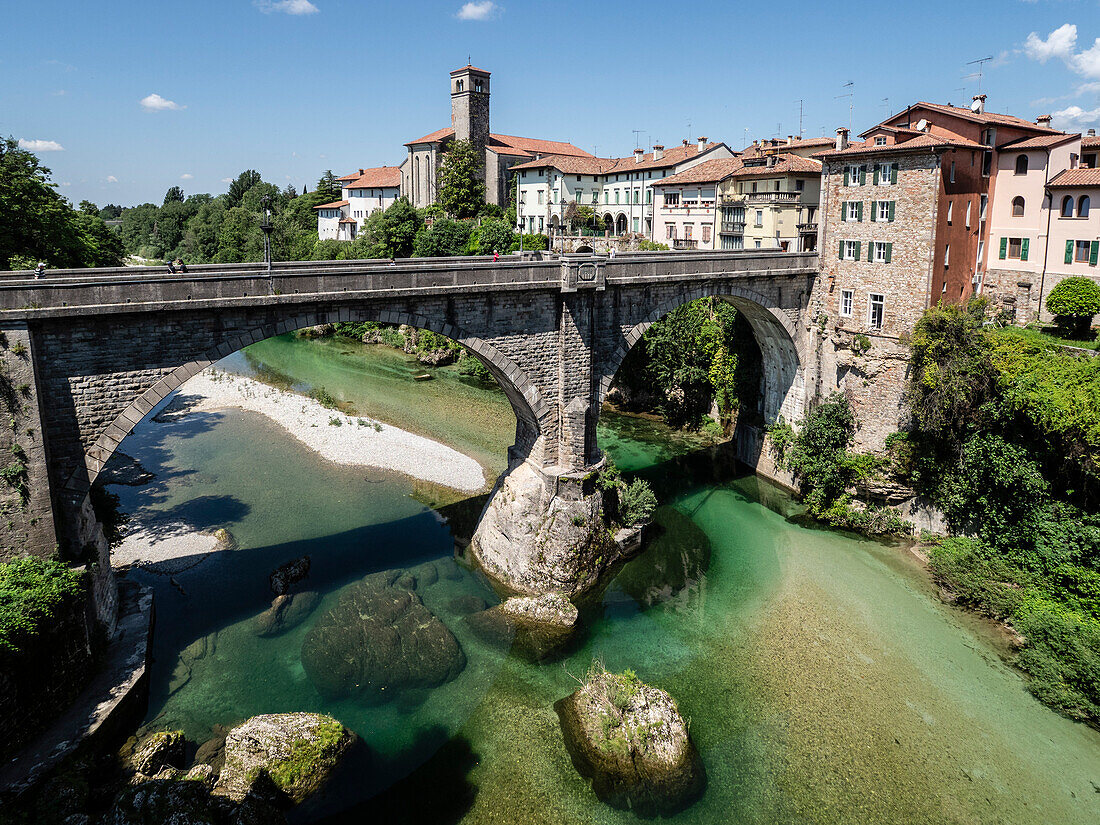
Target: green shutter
1069, 252
846, 176
858, 245
874, 177
893, 173
862, 175
870, 252
840, 254
1094, 251
1023, 249
1004, 248
890, 212
859, 211
889, 252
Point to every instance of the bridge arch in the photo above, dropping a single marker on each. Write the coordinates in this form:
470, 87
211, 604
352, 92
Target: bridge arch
783, 380
531, 410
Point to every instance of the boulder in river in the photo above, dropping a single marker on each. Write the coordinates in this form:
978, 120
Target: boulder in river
438, 357
187, 802
287, 611
159, 750
631, 741
318, 331
672, 566
378, 640
294, 752
285, 576
534, 626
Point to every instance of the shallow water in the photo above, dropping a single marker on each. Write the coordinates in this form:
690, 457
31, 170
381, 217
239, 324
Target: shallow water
823, 680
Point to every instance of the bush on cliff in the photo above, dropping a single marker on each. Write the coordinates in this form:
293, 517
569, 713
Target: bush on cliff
33, 591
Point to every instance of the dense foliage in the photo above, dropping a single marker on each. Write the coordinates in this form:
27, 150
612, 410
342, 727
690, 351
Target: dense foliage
32, 592
38, 224
1010, 454
461, 180
1073, 303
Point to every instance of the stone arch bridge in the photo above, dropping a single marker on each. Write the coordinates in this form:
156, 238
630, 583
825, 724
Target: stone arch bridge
88, 353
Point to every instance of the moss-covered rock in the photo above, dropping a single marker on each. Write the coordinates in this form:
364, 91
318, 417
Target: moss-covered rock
287, 611
163, 749
294, 752
378, 640
534, 626
631, 741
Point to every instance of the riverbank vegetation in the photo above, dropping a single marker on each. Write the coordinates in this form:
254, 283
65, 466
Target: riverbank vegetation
33, 591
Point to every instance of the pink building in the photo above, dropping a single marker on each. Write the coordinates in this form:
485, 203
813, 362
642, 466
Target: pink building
1074, 246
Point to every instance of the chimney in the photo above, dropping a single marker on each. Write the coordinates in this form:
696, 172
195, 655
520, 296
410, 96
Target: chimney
1043, 120
979, 105
841, 139
639, 155
790, 139
361, 173
1090, 133
771, 160
685, 142
658, 151
702, 143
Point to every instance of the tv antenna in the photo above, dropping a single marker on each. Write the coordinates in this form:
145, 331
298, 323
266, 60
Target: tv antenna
980, 62
637, 134
848, 85
800, 117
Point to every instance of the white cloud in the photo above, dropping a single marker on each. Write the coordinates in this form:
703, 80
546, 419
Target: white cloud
186, 176
1074, 118
66, 183
479, 10
40, 145
59, 93
1088, 88
295, 7
112, 179
1059, 43
1087, 63
227, 180
156, 103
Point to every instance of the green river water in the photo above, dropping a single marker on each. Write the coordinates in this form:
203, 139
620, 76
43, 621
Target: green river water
823, 680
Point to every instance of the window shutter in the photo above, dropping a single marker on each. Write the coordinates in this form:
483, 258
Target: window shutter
840, 255
893, 173
870, 252
890, 212
1004, 249
1023, 249
862, 175
889, 252
846, 176
1069, 252
859, 210
1094, 252
874, 177
858, 245
874, 211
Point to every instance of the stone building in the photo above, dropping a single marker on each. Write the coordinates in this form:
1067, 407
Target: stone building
470, 121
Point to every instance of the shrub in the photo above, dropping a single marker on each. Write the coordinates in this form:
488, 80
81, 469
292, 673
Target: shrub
1073, 303
818, 455
637, 502
646, 245
32, 591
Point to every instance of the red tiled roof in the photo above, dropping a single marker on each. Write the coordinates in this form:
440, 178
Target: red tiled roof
709, 171
437, 136
1038, 141
352, 176
591, 165
1090, 142
348, 220
966, 114
783, 146
924, 141
521, 146
1076, 177
332, 205
784, 165
468, 67
380, 177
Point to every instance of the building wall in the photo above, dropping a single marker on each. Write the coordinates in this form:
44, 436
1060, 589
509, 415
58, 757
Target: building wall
328, 223
954, 269
420, 177
1063, 230
696, 208
362, 206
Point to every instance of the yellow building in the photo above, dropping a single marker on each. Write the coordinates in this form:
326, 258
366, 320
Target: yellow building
770, 203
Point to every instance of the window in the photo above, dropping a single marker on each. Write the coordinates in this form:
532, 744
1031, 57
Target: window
851, 211
1015, 245
946, 255
853, 175
968, 204
882, 210
541, 195
578, 178
616, 196
542, 223
987, 163
670, 231
1083, 206
477, 85
637, 195
706, 233
952, 171
846, 296
1021, 164
687, 231
1081, 252
981, 250
881, 256
606, 195
876, 303
459, 85
759, 217
879, 141
757, 243
649, 196
982, 207
1067, 207
887, 174
672, 198
595, 196
850, 250
636, 225
950, 210
1018, 207
777, 186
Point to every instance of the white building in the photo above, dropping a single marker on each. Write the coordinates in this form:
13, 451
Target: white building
685, 215
620, 190
370, 191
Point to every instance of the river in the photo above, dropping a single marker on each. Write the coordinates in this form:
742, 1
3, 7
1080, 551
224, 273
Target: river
823, 679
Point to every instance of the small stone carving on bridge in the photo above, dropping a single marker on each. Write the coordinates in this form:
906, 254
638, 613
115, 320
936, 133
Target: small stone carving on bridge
582, 272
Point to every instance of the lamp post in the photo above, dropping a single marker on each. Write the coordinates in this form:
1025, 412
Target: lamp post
266, 228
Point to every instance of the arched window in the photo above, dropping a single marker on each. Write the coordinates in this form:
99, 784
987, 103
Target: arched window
1018, 207
1083, 206
1021, 165
1067, 207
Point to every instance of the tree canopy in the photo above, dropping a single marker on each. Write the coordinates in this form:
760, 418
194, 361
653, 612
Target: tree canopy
461, 185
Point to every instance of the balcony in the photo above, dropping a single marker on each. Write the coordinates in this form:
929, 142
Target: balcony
733, 228
684, 243
773, 197
806, 228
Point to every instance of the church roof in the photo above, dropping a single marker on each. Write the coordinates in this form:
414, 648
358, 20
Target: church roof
510, 144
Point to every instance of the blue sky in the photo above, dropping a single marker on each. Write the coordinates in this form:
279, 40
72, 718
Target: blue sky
140, 96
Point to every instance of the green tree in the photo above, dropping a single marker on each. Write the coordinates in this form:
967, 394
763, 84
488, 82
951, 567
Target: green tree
173, 195
243, 182
137, 229
200, 239
495, 236
328, 187
88, 208
818, 456
35, 222
239, 238
101, 246
445, 237
1074, 302
461, 184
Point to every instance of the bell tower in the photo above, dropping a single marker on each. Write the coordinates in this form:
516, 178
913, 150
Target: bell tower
470, 105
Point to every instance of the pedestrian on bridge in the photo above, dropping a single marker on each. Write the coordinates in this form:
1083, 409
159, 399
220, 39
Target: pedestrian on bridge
40, 270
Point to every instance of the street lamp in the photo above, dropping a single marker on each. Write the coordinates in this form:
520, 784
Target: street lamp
266, 228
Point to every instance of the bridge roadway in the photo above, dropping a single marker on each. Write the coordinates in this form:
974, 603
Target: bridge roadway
88, 353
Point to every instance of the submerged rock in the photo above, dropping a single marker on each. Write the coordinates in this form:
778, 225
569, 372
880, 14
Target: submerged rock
285, 576
534, 626
377, 640
631, 741
673, 565
286, 612
183, 802
294, 752
159, 750
537, 536
464, 605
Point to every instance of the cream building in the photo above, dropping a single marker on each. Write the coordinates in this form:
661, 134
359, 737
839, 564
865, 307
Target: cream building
370, 191
771, 203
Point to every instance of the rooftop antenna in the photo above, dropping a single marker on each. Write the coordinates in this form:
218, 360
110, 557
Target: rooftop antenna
980, 62
637, 133
800, 130
848, 85
886, 104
